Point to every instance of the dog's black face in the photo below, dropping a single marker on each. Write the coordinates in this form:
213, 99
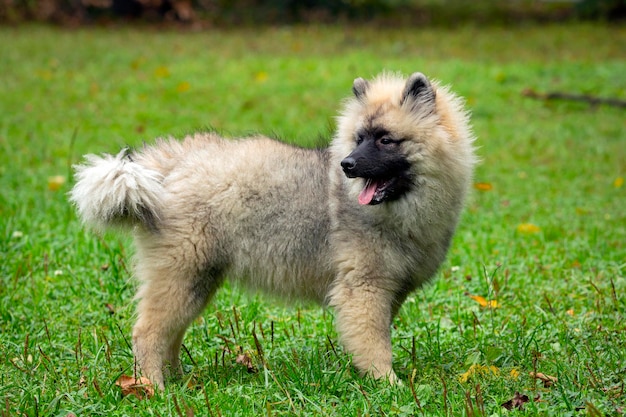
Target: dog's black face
379, 160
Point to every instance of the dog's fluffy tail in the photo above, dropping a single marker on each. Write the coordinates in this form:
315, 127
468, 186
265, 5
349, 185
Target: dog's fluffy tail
115, 191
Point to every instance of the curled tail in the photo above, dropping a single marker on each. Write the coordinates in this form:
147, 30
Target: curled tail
117, 191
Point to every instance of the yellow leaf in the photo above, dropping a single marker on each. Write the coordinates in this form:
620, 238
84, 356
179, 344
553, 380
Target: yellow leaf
55, 182
619, 181
484, 302
476, 370
45, 74
483, 186
182, 87
161, 72
514, 373
528, 228
479, 299
261, 77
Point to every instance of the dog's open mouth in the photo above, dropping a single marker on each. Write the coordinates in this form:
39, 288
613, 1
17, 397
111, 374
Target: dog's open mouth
375, 190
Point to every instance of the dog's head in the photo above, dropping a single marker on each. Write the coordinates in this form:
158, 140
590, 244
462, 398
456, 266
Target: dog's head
386, 120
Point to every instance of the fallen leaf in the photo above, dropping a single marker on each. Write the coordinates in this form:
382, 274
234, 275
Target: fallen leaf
514, 373
547, 380
581, 211
140, 387
517, 401
484, 302
45, 74
110, 308
483, 186
528, 228
55, 182
182, 87
161, 72
136, 63
261, 76
477, 369
246, 360
82, 382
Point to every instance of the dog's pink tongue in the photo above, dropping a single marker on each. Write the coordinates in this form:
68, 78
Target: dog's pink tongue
367, 193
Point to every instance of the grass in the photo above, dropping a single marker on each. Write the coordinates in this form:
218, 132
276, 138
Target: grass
543, 237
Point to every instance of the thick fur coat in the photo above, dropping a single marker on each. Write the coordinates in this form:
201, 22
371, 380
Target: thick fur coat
356, 226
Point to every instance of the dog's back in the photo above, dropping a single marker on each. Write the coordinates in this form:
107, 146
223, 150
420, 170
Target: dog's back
252, 209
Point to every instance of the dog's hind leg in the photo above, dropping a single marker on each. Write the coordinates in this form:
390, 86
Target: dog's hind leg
170, 299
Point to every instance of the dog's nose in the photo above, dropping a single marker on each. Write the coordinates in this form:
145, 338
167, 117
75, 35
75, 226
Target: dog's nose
348, 164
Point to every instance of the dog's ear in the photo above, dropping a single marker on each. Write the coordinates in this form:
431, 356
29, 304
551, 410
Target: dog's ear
359, 88
418, 89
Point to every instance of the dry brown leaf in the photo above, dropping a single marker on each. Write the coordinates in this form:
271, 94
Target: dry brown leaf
517, 401
246, 360
547, 380
82, 383
110, 308
141, 387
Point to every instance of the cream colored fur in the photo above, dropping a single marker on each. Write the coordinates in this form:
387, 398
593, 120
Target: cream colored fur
286, 221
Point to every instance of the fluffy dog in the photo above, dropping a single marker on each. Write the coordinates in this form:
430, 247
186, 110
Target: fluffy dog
356, 226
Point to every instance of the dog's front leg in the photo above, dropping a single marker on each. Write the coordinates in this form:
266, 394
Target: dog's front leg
363, 318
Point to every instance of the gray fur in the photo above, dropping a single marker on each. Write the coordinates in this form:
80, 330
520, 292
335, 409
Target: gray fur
286, 221
359, 87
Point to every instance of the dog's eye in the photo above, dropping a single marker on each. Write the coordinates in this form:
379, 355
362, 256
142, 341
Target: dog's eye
387, 141
359, 140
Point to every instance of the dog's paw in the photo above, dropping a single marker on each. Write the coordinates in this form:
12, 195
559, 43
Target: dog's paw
393, 379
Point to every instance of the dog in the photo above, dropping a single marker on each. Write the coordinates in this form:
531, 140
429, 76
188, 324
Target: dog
356, 226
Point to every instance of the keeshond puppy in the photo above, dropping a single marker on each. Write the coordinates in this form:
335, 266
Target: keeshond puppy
356, 226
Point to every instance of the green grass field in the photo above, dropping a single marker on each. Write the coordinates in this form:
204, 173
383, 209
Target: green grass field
542, 241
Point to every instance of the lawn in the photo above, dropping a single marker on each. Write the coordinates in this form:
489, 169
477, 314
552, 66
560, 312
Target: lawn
529, 310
